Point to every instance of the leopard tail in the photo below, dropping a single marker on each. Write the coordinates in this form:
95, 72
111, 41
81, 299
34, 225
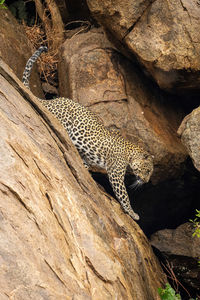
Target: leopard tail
30, 63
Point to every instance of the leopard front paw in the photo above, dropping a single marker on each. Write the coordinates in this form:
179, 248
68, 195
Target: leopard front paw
133, 215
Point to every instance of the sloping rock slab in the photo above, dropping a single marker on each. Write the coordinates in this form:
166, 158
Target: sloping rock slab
61, 237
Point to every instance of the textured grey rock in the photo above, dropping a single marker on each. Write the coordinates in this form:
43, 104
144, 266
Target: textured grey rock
189, 132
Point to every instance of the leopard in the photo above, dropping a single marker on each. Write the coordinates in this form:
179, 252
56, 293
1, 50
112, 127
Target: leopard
97, 145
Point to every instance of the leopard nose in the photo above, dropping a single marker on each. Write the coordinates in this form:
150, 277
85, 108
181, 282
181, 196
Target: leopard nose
139, 180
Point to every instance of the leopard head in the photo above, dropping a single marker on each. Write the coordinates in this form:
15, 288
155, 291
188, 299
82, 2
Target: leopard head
141, 164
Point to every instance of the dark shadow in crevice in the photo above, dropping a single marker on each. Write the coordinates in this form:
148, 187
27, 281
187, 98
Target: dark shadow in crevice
165, 205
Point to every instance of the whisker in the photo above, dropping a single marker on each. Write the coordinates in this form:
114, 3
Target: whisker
136, 184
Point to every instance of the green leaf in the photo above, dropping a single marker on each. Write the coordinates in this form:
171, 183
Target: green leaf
168, 293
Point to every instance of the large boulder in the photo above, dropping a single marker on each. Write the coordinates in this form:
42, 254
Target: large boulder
179, 241
163, 35
15, 49
119, 17
189, 132
92, 72
61, 237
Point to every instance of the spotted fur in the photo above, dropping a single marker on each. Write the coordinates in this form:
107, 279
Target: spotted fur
29, 65
96, 144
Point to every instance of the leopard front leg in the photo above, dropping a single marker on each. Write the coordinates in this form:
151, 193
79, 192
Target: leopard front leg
116, 175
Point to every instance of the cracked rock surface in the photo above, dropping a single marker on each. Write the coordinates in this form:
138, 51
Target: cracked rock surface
163, 35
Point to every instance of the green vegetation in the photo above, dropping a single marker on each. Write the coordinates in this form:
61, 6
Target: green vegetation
2, 4
168, 293
196, 224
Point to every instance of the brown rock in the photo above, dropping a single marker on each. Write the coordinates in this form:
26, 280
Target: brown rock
182, 252
50, 89
15, 49
61, 237
177, 241
118, 17
93, 73
189, 131
164, 36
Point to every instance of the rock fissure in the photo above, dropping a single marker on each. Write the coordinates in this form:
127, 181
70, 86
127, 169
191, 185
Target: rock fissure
138, 19
49, 201
56, 214
91, 266
18, 197
54, 272
17, 153
41, 171
189, 37
107, 101
185, 9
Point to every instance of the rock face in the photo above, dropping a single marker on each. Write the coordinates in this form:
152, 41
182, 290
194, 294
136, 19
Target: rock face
15, 49
61, 237
178, 242
189, 131
182, 251
120, 16
163, 35
93, 73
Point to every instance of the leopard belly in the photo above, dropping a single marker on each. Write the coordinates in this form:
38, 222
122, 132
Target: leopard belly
86, 132
88, 150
